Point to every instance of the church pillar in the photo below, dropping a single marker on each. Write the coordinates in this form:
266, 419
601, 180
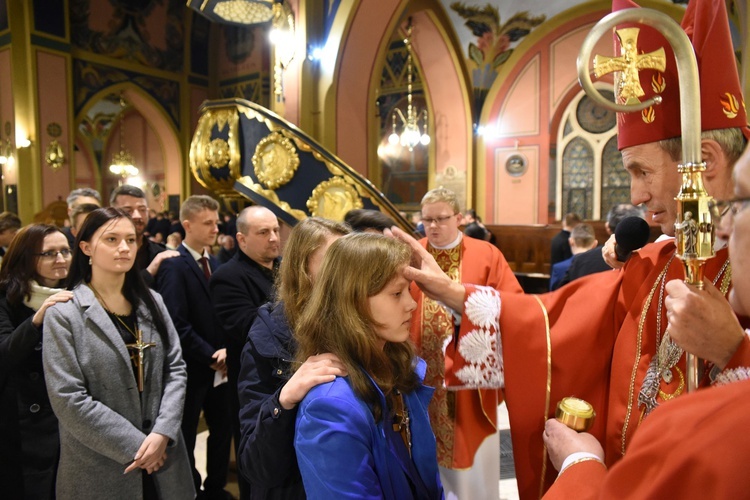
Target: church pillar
42, 108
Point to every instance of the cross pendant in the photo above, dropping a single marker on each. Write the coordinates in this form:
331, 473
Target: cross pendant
139, 349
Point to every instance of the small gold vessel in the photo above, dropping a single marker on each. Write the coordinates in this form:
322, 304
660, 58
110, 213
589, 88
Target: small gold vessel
575, 413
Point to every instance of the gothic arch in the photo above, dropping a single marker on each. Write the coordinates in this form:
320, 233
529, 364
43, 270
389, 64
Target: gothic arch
158, 120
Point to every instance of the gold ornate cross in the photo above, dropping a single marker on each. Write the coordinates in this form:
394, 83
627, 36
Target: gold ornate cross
628, 64
139, 348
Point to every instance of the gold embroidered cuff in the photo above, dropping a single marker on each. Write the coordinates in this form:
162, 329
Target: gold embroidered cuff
575, 413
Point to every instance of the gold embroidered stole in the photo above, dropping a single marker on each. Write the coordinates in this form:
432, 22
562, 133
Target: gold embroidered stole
438, 330
654, 313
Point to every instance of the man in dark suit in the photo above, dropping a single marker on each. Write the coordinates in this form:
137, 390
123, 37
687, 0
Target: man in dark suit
559, 246
150, 255
238, 289
591, 261
183, 282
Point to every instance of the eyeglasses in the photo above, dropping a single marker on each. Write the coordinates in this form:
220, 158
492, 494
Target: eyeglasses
437, 220
720, 208
52, 254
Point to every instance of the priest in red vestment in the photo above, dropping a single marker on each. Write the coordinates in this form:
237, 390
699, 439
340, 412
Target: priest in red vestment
598, 337
694, 447
464, 421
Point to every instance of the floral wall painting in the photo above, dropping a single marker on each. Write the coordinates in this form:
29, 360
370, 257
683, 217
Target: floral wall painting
495, 41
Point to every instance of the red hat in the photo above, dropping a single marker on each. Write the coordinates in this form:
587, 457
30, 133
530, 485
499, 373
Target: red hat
722, 104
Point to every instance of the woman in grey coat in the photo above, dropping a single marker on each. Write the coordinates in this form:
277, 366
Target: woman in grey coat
115, 375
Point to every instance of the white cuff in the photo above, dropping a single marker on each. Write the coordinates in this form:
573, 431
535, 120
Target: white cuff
575, 457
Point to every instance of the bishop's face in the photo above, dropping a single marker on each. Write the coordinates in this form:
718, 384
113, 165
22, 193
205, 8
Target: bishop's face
654, 181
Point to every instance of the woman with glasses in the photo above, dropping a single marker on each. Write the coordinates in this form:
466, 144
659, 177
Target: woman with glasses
116, 375
31, 278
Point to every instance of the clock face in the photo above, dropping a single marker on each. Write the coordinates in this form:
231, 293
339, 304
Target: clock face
516, 165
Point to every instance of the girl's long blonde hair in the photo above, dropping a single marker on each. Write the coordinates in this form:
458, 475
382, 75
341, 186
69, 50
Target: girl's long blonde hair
293, 283
337, 318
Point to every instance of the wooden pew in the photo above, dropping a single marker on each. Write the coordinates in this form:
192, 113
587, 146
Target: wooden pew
527, 250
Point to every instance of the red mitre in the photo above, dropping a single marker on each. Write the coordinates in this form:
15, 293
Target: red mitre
722, 103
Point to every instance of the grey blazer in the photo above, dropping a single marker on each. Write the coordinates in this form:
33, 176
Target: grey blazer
94, 394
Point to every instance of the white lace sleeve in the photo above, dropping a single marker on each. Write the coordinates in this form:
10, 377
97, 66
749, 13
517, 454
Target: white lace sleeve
481, 347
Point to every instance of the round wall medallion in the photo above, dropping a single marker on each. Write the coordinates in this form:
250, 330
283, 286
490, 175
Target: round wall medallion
333, 198
217, 153
516, 165
275, 160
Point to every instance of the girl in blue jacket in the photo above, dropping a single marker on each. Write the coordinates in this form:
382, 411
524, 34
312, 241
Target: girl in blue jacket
366, 435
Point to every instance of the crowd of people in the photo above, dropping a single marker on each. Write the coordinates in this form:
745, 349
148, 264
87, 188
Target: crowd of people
357, 364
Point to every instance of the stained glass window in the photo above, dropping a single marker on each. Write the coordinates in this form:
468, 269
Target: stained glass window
590, 178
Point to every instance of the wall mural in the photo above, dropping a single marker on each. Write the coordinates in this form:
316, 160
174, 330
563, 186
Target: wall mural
89, 78
127, 36
495, 41
490, 41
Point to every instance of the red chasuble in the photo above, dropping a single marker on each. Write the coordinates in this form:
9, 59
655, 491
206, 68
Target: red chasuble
460, 419
598, 347
693, 448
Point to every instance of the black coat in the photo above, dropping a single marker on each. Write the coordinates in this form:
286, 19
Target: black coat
560, 248
145, 255
266, 454
29, 439
238, 288
585, 263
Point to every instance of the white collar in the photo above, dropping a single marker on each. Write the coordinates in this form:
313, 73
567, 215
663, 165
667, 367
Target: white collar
196, 255
452, 244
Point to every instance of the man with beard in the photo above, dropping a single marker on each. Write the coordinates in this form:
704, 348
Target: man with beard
132, 200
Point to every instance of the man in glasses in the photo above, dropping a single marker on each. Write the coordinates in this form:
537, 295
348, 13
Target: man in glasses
465, 421
605, 338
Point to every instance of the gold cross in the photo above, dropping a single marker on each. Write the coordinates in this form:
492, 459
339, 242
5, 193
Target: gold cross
139, 348
628, 85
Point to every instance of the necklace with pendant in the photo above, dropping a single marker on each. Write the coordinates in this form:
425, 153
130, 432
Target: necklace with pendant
668, 354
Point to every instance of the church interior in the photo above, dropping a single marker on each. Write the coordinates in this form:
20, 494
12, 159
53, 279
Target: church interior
315, 107
479, 97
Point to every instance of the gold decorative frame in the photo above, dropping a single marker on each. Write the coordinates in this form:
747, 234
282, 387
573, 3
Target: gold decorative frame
217, 153
207, 152
275, 160
333, 198
271, 195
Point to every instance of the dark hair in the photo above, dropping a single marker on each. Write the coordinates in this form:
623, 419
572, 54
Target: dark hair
134, 289
9, 220
126, 190
19, 262
362, 219
476, 231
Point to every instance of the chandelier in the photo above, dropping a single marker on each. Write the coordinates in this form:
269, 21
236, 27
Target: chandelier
240, 12
414, 124
122, 162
